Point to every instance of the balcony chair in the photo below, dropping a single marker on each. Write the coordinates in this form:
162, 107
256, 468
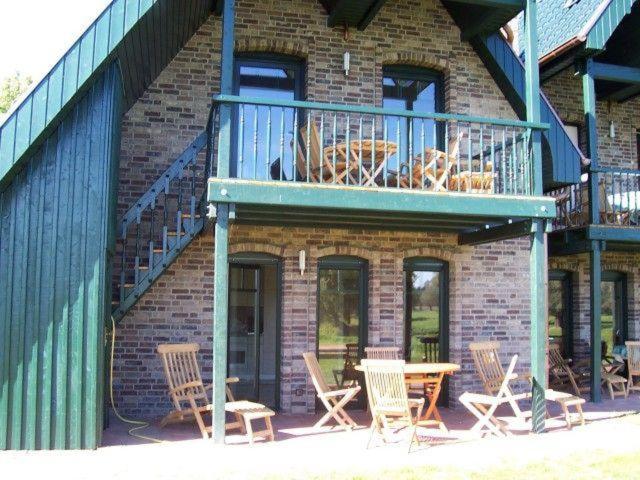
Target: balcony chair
633, 365
318, 166
382, 353
389, 401
333, 400
186, 387
433, 168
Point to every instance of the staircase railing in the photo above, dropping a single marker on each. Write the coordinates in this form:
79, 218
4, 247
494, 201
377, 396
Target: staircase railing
162, 222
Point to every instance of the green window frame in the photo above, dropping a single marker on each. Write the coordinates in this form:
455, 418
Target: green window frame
621, 305
566, 279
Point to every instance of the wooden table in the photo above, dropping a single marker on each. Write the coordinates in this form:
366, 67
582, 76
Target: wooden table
431, 376
347, 160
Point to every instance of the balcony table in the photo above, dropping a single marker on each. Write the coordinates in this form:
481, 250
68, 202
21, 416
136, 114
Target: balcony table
347, 164
431, 375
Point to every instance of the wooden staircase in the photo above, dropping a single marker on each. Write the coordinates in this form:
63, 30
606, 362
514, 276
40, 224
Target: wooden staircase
160, 225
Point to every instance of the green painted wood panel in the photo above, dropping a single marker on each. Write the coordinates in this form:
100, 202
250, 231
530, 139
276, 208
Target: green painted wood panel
131, 31
57, 217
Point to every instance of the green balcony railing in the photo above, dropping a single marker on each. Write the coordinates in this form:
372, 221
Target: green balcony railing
618, 199
308, 142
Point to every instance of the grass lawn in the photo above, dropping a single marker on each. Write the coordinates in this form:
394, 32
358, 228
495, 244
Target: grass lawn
596, 464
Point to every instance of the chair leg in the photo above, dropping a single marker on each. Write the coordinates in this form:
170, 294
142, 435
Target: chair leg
249, 428
267, 421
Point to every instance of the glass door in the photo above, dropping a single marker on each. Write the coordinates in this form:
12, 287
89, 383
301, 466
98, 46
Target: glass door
342, 319
560, 311
426, 319
253, 332
614, 311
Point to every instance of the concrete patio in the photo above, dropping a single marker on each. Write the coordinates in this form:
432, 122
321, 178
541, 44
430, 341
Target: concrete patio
302, 452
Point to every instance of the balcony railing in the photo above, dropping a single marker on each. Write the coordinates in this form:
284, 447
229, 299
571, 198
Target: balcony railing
618, 200
354, 146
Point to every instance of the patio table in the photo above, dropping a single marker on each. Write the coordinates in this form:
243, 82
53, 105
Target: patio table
373, 155
430, 375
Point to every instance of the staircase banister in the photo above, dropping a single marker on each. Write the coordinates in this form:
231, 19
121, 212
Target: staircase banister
188, 156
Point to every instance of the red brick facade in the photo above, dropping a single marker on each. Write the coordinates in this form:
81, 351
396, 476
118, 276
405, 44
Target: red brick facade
489, 289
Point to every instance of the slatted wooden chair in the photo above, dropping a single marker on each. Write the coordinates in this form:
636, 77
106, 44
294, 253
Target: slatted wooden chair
435, 167
431, 346
191, 401
389, 402
382, 353
633, 365
484, 406
318, 167
562, 376
333, 400
487, 362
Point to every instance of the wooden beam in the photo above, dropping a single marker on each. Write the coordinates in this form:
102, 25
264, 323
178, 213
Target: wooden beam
371, 14
336, 13
615, 73
510, 4
595, 278
313, 195
495, 234
538, 246
624, 94
221, 231
479, 26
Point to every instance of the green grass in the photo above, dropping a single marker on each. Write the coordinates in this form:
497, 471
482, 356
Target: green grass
607, 330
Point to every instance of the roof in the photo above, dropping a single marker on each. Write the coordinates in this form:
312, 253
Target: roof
563, 23
141, 35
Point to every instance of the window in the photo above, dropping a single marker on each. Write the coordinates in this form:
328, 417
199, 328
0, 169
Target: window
614, 315
419, 90
270, 77
574, 133
560, 311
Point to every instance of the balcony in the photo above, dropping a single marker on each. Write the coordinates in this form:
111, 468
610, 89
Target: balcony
618, 209
341, 163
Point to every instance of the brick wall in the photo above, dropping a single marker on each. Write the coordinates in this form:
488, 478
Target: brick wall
489, 293
565, 94
489, 300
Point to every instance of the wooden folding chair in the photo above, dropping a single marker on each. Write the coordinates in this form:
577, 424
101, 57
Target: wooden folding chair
333, 400
487, 362
382, 353
436, 166
389, 402
562, 376
185, 386
484, 406
633, 365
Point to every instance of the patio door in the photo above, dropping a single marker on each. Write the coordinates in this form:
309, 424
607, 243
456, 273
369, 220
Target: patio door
614, 316
560, 313
254, 329
342, 318
426, 319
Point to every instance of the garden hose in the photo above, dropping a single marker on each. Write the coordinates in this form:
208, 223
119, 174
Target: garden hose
139, 424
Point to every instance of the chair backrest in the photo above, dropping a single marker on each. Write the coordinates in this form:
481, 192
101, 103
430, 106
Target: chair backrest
555, 357
314, 149
487, 362
431, 348
313, 366
633, 356
382, 353
182, 372
386, 388
454, 144
505, 389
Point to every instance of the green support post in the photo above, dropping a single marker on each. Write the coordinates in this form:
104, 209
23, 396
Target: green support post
595, 268
595, 277
221, 233
538, 252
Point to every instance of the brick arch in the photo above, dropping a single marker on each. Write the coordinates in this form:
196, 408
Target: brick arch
272, 45
433, 252
346, 250
416, 59
256, 247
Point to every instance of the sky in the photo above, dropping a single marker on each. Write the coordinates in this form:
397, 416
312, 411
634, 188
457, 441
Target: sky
34, 34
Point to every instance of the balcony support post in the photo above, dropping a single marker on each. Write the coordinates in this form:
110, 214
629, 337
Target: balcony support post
538, 250
595, 307
221, 233
589, 105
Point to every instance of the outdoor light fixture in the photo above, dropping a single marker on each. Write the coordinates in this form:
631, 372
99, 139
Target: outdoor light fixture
346, 61
302, 257
612, 129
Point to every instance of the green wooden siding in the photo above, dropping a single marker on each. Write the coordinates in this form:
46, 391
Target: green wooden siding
57, 217
604, 27
142, 35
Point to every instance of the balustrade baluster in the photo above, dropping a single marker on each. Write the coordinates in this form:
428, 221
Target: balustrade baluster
308, 149
348, 147
493, 161
335, 134
282, 113
399, 151
151, 234
423, 148
267, 156
136, 272
322, 159
360, 153
241, 146
254, 160
294, 164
